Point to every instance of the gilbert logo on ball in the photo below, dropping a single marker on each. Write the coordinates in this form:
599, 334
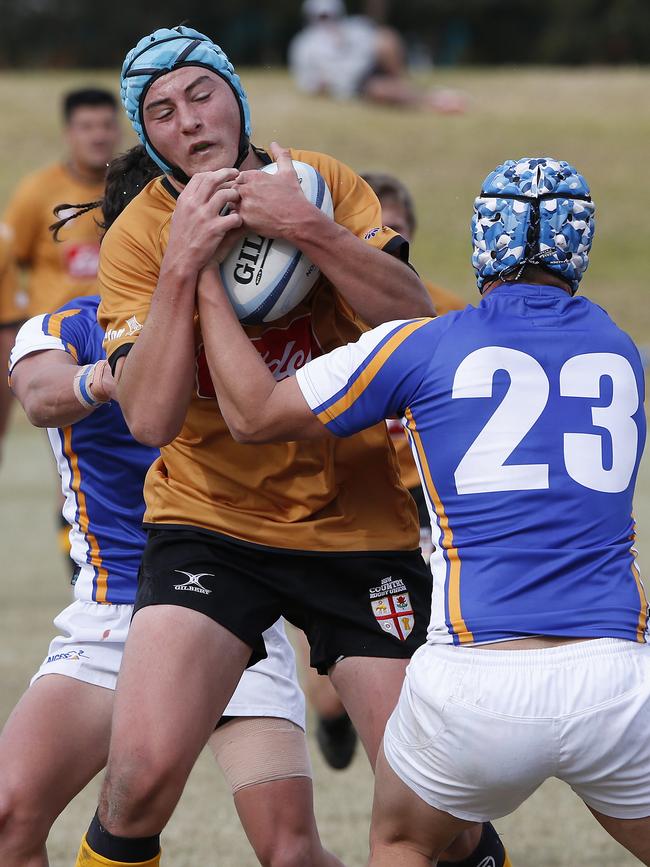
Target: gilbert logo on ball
266, 277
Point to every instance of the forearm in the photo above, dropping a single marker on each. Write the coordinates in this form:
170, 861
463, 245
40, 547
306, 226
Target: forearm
155, 382
46, 393
241, 379
375, 284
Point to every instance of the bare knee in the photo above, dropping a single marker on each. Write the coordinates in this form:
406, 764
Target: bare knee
290, 849
138, 797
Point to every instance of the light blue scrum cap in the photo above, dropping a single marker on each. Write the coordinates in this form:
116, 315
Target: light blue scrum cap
535, 211
161, 52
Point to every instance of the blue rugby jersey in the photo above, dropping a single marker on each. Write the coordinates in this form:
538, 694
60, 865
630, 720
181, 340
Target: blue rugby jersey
525, 417
102, 467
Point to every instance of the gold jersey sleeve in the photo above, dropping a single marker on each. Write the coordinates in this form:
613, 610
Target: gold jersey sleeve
11, 311
129, 266
331, 495
56, 271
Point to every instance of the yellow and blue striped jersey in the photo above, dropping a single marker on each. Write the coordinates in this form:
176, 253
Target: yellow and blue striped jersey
102, 467
525, 418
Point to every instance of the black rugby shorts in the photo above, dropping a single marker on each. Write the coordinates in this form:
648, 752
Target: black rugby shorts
374, 604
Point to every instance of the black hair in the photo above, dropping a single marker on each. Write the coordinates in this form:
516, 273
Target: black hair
87, 96
127, 174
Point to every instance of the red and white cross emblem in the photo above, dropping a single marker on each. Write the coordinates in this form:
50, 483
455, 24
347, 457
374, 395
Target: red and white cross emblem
393, 611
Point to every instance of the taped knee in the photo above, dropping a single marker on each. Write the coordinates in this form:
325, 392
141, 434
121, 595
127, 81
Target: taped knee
254, 750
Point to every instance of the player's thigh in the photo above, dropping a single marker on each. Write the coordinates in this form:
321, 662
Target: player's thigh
403, 821
178, 673
54, 742
633, 834
369, 688
364, 616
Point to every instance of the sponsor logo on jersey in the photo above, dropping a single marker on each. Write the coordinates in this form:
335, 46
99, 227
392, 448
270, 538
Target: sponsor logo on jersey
371, 234
284, 350
488, 861
114, 334
193, 582
133, 325
82, 260
73, 655
391, 605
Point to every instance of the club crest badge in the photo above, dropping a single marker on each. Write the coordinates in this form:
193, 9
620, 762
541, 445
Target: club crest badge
391, 605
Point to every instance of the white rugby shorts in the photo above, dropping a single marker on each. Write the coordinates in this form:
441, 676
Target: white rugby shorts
476, 731
91, 643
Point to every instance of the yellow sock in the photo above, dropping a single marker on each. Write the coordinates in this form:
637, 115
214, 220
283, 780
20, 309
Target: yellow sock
63, 538
87, 858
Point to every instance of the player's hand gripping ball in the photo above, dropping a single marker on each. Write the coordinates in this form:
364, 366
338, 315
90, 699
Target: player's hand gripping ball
266, 277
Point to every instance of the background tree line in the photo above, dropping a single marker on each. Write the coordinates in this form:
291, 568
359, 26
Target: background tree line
79, 33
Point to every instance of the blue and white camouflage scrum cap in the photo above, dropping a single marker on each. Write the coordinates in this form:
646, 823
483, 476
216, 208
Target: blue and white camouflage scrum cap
160, 53
532, 212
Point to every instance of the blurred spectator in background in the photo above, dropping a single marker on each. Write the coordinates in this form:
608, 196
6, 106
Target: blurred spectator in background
346, 56
56, 272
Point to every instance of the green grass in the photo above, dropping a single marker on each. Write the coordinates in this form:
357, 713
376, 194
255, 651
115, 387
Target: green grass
595, 118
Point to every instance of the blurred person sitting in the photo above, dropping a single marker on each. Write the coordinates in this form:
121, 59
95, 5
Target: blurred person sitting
345, 56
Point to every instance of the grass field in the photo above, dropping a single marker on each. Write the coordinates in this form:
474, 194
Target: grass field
598, 119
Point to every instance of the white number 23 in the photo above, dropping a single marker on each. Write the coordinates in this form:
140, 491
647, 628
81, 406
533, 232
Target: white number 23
483, 468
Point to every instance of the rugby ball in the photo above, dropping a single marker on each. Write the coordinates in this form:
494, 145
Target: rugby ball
267, 277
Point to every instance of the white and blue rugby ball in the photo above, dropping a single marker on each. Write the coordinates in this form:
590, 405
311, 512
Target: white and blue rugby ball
267, 277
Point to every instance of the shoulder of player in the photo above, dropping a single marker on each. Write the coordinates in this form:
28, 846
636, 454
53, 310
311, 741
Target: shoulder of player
619, 338
75, 320
407, 335
84, 306
144, 217
328, 166
73, 327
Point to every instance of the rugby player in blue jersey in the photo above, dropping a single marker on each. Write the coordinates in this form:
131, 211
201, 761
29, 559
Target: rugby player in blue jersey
57, 737
525, 417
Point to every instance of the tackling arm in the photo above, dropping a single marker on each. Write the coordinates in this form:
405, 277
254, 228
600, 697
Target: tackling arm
255, 407
44, 384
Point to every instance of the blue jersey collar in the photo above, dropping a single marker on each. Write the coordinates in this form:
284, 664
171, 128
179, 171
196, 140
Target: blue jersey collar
539, 290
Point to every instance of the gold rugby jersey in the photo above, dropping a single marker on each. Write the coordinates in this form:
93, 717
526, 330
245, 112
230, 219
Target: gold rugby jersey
334, 495
10, 310
57, 271
443, 301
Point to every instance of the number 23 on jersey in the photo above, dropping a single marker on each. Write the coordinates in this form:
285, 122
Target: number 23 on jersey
483, 468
